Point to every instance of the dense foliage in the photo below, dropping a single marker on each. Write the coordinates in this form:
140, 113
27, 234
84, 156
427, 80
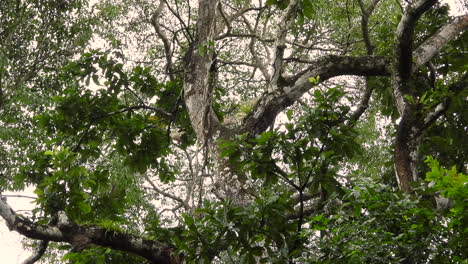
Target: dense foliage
308, 131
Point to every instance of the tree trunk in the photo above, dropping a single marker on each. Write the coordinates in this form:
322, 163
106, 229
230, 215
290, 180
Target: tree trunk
406, 149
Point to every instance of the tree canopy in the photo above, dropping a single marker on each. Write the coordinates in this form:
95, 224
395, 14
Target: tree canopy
285, 131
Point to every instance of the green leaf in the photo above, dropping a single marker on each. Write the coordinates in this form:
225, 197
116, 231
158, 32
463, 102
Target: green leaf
96, 79
84, 207
289, 114
314, 80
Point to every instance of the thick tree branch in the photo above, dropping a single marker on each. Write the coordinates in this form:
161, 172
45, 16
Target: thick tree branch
83, 236
404, 36
431, 47
27, 228
403, 60
272, 103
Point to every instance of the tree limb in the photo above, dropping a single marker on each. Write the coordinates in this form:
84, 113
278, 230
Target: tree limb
403, 60
429, 48
252, 49
366, 12
163, 37
280, 43
404, 36
38, 253
82, 236
228, 20
368, 89
272, 103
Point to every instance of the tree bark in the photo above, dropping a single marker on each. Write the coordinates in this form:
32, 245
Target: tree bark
81, 237
198, 89
406, 141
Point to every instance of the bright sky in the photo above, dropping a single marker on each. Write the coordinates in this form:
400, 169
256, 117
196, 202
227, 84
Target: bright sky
11, 251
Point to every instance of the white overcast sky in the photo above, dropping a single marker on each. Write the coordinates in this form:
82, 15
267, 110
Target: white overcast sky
11, 251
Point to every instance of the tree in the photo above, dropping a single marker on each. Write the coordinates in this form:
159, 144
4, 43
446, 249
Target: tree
236, 132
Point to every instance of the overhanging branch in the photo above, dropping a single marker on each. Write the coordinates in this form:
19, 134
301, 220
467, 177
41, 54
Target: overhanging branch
82, 236
429, 48
272, 103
